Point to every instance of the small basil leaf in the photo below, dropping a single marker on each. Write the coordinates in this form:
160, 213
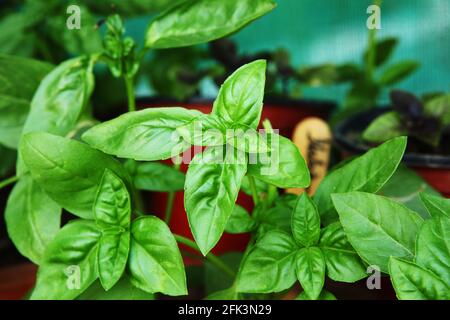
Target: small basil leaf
68, 171
342, 261
283, 166
155, 262
310, 268
261, 186
384, 49
433, 247
155, 176
270, 265
146, 135
206, 130
32, 219
70, 262
212, 185
122, 290
324, 295
412, 282
241, 96
378, 227
367, 173
397, 72
194, 22
112, 204
240, 221
113, 251
436, 205
247, 139
305, 221
385, 127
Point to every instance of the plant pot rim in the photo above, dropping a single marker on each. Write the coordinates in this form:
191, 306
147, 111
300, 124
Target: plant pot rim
326, 106
359, 121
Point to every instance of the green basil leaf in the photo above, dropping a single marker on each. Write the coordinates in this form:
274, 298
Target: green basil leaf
194, 22
385, 127
227, 294
412, 282
305, 222
384, 49
247, 139
146, 135
155, 261
397, 72
61, 97
270, 265
283, 166
19, 79
156, 176
436, 205
129, 7
122, 290
212, 185
70, 262
324, 295
261, 186
240, 221
277, 217
433, 247
113, 249
241, 96
342, 261
206, 130
367, 173
32, 219
310, 268
439, 107
68, 171
112, 204
378, 227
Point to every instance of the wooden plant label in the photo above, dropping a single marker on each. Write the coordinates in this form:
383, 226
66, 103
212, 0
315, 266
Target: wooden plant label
313, 138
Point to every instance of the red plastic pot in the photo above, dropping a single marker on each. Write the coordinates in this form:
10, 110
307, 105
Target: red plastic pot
284, 116
435, 169
16, 281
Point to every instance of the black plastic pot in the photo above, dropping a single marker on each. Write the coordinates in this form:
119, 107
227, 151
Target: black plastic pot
435, 169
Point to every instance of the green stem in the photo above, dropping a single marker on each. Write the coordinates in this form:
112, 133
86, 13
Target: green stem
210, 257
8, 181
372, 50
272, 191
170, 200
255, 196
129, 84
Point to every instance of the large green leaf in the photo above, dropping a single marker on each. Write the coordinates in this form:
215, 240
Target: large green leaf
32, 219
19, 79
310, 268
113, 249
433, 247
70, 263
378, 227
212, 185
194, 22
155, 261
283, 166
412, 282
147, 135
241, 96
156, 176
397, 72
270, 266
367, 173
61, 97
436, 205
68, 171
112, 204
305, 221
342, 261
